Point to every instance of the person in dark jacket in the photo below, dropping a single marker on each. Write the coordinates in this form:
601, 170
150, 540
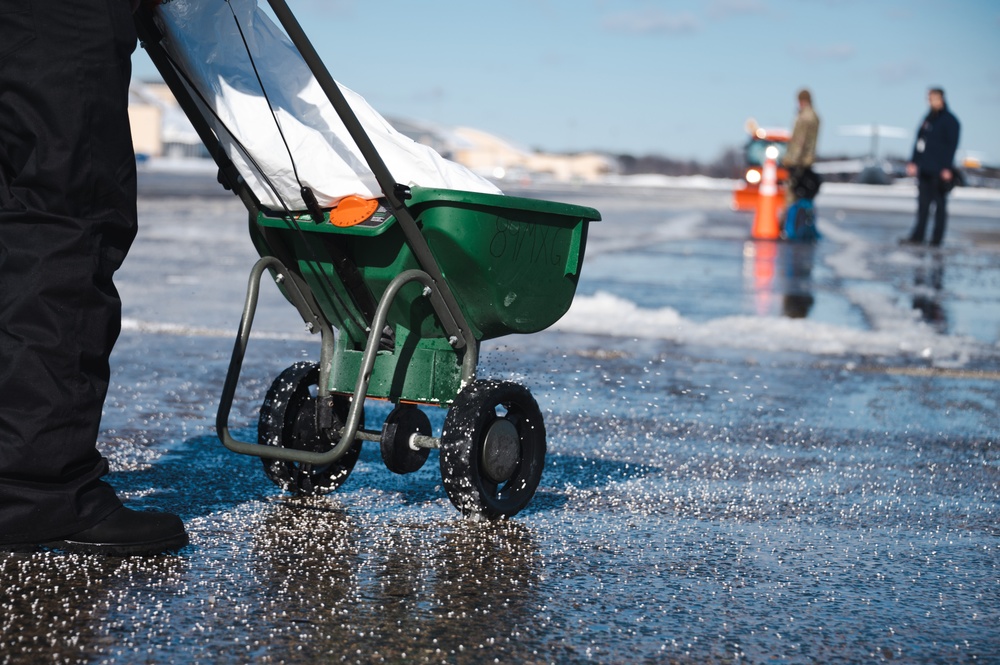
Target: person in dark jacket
932, 164
67, 219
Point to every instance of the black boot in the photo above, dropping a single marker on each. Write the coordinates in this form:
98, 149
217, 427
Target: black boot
127, 532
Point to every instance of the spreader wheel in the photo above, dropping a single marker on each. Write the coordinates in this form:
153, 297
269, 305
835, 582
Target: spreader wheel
492, 449
401, 423
288, 419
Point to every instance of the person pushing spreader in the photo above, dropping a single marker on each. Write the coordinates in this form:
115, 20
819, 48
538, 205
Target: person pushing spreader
403, 262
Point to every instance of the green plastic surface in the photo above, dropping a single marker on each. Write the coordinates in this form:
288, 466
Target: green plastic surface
513, 264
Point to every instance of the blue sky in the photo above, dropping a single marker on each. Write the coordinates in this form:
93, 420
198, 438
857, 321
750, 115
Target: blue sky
670, 77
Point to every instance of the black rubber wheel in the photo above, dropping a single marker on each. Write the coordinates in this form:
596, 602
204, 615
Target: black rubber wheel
288, 419
401, 422
492, 449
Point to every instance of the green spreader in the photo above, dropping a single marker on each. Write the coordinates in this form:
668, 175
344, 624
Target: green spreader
402, 294
512, 264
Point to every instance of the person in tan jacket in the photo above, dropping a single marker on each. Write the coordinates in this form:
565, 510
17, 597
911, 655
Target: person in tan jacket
801, 152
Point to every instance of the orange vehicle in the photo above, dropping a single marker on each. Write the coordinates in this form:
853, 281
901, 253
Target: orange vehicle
746, 192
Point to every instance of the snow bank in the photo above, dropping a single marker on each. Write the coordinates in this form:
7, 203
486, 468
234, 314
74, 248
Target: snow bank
610, 315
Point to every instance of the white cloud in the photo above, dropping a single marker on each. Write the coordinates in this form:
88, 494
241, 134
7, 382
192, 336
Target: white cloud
728, 8
818, 53
900, 71
652, 21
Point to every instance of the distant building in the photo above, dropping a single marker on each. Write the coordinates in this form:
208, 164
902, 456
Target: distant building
492, 156
161, 129
585, 166
145, 115
159, 126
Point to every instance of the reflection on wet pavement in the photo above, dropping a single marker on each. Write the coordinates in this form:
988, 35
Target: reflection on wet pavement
701, 502
928, 291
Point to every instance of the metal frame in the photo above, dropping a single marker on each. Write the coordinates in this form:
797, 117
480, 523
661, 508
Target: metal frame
394, 193
352, 428
442, 299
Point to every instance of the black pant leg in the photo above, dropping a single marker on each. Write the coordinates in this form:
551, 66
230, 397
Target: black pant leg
940, 217
67, 219
926, 187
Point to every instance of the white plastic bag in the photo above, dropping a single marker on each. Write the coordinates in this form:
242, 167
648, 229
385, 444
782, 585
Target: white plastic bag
204, 38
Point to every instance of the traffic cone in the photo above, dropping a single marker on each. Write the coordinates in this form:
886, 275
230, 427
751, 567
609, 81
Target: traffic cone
765, 220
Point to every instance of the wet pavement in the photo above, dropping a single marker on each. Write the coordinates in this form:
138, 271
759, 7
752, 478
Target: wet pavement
758, 452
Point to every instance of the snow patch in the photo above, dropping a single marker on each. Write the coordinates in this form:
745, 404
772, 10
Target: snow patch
893, 334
